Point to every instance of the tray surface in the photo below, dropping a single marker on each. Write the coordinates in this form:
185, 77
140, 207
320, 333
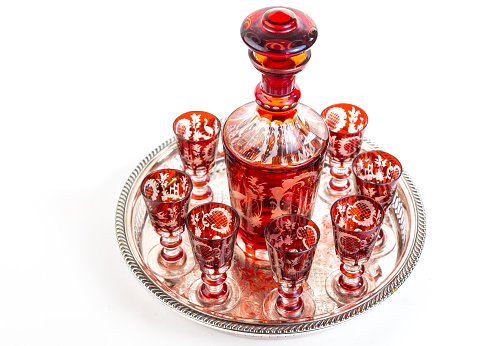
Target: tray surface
406, 219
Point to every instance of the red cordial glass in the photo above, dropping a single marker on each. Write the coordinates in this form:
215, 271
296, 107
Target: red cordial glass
197, 135
346, 125
212, 228
356, 222
166, 193
291, 242
274, 147
377, 175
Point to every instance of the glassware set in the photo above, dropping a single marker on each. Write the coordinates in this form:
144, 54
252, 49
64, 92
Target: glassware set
275, 149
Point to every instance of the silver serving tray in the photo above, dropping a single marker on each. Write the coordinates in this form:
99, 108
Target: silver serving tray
136, 237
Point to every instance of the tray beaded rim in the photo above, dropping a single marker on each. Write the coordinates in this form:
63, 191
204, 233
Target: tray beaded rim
267, 329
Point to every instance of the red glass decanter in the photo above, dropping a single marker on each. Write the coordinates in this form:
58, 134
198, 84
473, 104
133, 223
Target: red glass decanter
274, 146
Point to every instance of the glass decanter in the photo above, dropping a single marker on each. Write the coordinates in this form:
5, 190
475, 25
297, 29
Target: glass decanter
274, 146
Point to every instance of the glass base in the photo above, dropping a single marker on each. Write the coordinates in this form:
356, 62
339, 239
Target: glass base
169, 271
270, 311
207, 197
233, 292
328, 195
344, 297
386, 243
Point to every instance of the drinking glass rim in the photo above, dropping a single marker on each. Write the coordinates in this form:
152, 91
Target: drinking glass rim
213, 204
293, 252
370, 182
200, 140
363, 197
191, 185
348, 133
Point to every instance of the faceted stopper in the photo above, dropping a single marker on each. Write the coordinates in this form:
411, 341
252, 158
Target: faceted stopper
278, 32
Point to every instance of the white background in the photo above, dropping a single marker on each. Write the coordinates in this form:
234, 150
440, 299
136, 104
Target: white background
89, 88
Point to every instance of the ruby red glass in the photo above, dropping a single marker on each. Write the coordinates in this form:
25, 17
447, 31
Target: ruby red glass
197, 135
346, 125
377, 175
274, 147
356, 222
291, 242
166, 193
212, 228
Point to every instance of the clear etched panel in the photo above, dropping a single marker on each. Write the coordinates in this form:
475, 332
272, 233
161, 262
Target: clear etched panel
261, 138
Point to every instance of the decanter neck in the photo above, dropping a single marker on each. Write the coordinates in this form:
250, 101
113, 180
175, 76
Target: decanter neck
279, 41
278, 91
277, 95
278, 86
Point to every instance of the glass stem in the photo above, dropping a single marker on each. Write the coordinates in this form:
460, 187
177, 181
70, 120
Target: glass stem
201, 192
200, 185
289, 302
340, 179
351, 278
171, 252
214, 288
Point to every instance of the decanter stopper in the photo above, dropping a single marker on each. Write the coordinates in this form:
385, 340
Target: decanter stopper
278, 32
279, 40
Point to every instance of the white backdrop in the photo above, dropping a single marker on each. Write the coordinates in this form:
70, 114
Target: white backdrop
89, 88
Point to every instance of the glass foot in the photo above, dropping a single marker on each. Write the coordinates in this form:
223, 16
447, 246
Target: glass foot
233, 296
270, 310
344, 297
386, 242
206, 197
328, 195
170, 271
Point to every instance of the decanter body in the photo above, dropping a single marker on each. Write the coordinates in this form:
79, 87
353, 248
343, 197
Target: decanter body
274, 147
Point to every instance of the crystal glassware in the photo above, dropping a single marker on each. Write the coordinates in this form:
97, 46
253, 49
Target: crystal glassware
197, 135
212, 228
346, 125
166, 193
377, 175
291, 241
356, 222
274, 147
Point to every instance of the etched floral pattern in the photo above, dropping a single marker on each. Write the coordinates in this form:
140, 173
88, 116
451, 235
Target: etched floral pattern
167, 194
377, 175
197, 135
356, 221
260, 198
346, 124
291, 242
212, 230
